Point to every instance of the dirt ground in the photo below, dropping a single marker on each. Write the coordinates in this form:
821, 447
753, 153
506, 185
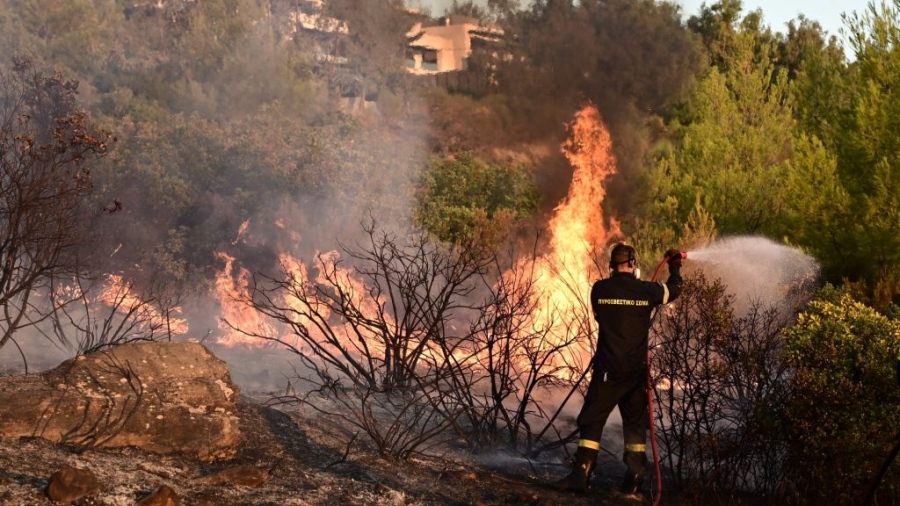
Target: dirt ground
309, 464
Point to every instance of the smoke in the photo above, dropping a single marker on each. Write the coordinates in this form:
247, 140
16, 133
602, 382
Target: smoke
39, 354
246, 134
437, 7
553, 462
757, 270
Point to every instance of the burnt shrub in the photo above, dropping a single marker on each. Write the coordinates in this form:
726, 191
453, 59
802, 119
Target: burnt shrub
720, 387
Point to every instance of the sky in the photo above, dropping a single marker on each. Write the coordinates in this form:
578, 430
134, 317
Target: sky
776, 13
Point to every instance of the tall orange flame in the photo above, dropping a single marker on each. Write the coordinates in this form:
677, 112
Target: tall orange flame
577, 229
232, 289
563, 275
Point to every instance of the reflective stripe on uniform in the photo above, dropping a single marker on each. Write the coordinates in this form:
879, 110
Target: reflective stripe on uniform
587, 443
665, 292
640, 447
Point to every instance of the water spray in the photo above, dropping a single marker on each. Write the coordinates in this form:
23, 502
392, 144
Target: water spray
765, 272
758, 270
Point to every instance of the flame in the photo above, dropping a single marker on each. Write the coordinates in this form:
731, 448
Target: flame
563, 275
241, 231
578, 227
117, 294
353, 289
347, 282
64, 293
232, 290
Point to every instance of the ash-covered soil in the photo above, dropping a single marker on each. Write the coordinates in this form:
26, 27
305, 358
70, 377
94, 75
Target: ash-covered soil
309, 464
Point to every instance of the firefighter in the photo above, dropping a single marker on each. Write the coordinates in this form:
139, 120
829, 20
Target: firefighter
623, 307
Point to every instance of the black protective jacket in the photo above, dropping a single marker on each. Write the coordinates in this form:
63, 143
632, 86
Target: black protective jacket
623, 306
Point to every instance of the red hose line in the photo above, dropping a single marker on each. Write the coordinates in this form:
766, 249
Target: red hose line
659, 483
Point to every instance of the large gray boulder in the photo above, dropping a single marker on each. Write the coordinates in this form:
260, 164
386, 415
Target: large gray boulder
162, 397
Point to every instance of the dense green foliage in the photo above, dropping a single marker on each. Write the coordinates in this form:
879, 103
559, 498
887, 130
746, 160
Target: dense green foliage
734, 154
844, 398
465, 193
224, 112
785, 138
853, 110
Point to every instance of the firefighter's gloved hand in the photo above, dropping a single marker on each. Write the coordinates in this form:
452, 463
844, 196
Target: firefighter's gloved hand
674, 257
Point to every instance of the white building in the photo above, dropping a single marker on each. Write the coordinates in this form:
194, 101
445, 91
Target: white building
446, 47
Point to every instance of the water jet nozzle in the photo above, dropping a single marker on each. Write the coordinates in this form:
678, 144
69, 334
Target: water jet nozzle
674, 254
673, 257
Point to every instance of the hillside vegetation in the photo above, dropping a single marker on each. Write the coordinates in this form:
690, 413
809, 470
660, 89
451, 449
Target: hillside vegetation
149, 147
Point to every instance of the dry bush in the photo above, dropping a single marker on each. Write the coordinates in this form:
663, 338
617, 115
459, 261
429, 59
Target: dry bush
509, 357
411, 338
91, 315
46, 146
721, 385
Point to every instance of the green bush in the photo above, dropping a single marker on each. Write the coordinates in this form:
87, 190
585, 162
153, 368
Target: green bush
466, 195
844, 401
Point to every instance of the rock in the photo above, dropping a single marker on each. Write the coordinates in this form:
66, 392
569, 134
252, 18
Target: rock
162, 397
70, 484
246, 476
164, 496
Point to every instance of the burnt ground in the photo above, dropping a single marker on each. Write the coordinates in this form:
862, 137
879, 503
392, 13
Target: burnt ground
310, 463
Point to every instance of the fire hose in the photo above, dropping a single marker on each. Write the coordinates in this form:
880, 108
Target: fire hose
653, 446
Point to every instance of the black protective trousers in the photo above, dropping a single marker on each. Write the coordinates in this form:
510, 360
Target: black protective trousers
629, 392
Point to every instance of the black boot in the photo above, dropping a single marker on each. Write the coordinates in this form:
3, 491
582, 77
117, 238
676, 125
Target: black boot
632, 485
580, 477
635, 459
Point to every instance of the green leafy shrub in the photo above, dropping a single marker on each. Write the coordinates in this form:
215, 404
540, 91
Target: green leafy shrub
465, 195
844, 400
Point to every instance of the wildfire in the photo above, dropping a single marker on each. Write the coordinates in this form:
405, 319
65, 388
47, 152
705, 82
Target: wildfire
563, 276
241, 231
345, 280
232, 289
117, 294
577, 229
